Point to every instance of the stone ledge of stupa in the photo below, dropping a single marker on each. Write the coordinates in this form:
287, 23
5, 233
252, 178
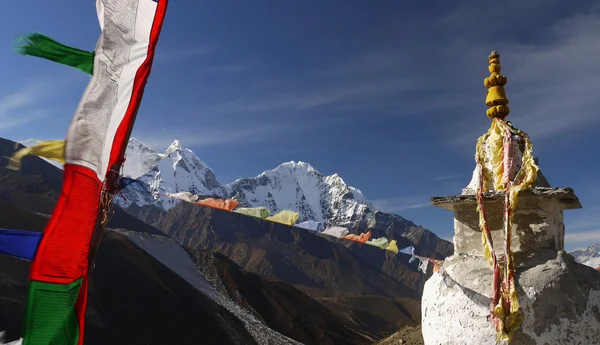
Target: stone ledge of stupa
537, 222
566, 196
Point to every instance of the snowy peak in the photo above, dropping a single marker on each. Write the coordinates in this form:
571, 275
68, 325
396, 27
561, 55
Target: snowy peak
290, 171
299, 187
176, 170
350, 192
139, 159
592, 250
300, 167
179, 153
589, 256
174, 147
295, 186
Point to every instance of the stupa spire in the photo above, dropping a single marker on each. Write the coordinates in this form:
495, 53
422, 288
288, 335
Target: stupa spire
496, 96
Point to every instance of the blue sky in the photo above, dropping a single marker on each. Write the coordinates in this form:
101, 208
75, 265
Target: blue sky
388, 94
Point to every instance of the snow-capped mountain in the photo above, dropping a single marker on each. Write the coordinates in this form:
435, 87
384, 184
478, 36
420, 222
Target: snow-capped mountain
589, 257
176, 170
294, 186
139, 159
301, 188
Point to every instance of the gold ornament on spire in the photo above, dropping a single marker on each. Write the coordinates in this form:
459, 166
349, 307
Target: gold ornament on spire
496, 96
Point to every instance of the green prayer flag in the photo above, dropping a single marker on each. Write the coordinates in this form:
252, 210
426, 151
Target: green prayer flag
381, 242
45, 47
50, 316
258, 212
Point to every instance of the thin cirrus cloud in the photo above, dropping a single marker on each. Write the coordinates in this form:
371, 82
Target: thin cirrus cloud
584, 228
208, 137
575, 238
388, 81
397, 204
278, 98
404, 77
38, 99
548, 80
585, 224
23, 106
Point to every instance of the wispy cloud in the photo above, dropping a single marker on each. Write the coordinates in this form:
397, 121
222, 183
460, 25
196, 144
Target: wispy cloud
397, 204
20, 107
551, 82
24, 117
208, 137
285, 98
548, 79
576, 238
15, 100
583, 226
591, 222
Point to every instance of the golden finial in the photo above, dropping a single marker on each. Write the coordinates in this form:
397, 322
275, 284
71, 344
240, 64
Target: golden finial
496, 96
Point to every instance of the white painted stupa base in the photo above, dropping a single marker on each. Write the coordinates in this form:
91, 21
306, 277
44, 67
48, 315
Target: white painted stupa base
560, 299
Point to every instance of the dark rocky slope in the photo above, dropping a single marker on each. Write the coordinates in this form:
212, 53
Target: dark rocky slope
133, 299
339, 277
280, 306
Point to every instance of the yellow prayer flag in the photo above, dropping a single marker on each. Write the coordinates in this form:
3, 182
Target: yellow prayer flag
286, 217
49, 149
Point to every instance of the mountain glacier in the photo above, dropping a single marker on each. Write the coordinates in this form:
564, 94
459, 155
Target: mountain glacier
295, 186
